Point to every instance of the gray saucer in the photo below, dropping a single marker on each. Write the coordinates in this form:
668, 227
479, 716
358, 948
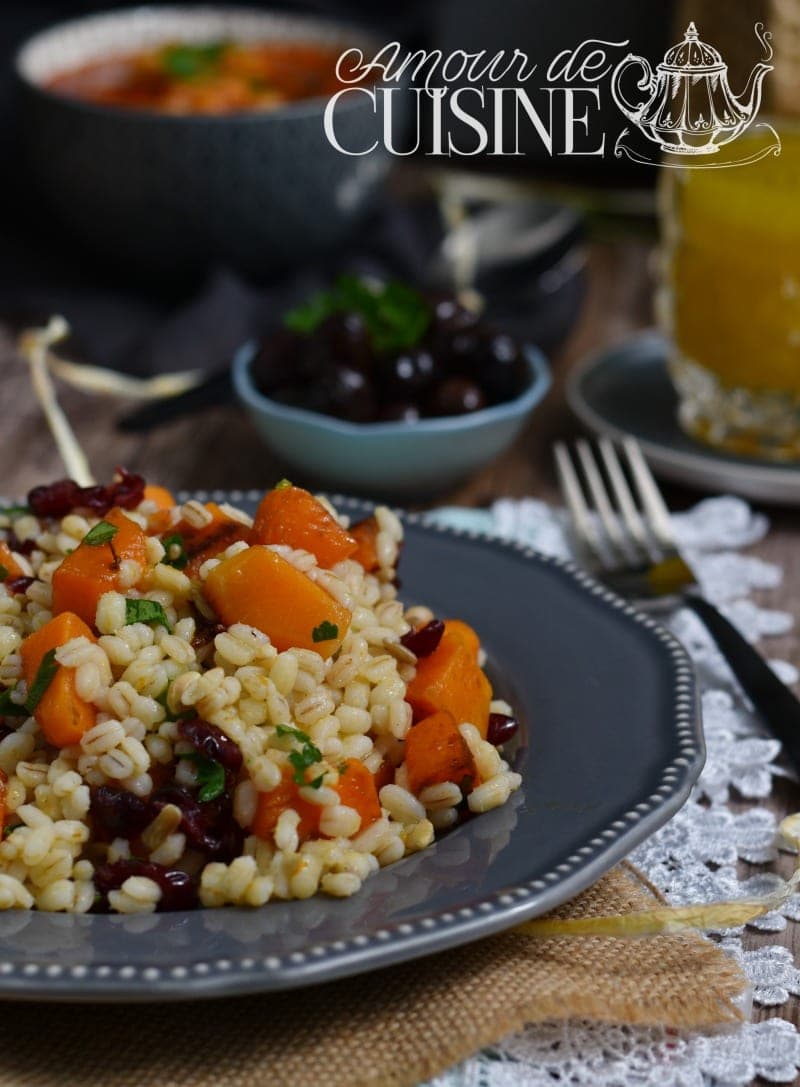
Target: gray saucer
626, 390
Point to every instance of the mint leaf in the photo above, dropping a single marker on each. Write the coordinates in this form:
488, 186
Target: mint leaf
396, 315
308, 755
305, 318
44, 677
325, 632
174, 552
191, 61
145, 611
9, 708
102, 533
210, 776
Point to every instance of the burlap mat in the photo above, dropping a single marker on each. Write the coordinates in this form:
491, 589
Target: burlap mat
392, 1028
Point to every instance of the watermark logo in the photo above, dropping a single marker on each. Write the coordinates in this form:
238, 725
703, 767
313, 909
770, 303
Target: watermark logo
464, 104
688, 108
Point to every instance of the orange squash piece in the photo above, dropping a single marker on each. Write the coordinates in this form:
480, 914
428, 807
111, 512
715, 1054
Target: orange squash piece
464, 633
357, 789
160, 519
62, 714
8, 562
161, 498
436, 752
261, 588
450, 679
365, 533
293, 517
90, 571
272, 804
212, 539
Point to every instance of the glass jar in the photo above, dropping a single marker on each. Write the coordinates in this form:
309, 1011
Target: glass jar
729, 299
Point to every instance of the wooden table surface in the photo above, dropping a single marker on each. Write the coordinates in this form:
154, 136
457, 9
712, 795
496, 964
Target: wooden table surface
219, 449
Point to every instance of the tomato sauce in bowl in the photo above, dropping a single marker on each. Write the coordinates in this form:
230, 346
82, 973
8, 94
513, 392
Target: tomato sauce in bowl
215, 77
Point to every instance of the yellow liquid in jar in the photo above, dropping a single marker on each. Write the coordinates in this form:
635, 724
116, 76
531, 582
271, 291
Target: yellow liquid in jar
732, 248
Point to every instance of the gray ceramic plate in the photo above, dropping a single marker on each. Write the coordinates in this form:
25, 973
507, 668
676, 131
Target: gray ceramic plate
627, 390
609, 747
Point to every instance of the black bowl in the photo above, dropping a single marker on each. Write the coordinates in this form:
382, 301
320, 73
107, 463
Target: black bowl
258, 191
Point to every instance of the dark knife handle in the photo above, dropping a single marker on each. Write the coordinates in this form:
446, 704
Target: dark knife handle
776, 704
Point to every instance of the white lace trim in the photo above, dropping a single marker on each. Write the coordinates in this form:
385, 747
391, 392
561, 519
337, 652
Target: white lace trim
693, 858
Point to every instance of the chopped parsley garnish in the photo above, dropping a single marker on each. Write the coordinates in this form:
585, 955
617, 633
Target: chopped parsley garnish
396, 316
325, 632
11, 827
145, 611
308, 755
14, 511
174, 552
190, 61
102, 533
9, 708
3, 572
210, 776
44, 677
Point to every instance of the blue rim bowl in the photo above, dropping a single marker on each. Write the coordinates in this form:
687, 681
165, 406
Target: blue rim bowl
391, 458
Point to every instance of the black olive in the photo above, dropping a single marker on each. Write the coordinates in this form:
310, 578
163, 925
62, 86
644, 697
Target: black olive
408, 373
347, 338
450, 316
502, 373
350, 394
277, 361
399, 412
456, 396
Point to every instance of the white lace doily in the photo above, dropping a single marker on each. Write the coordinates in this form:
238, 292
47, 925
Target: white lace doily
691, 859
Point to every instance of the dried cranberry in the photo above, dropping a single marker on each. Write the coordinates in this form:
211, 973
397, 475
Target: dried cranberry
205, 632
24, 547
178, 891
424, 640
116, 813
211, 742
502, 727
209, 827
60, 498
18, 584
54, 499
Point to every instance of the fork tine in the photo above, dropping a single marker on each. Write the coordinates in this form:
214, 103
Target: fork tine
582, 523
655, 508
622, 493
599, 494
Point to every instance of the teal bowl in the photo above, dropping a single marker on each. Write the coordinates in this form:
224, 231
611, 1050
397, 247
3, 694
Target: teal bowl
396, 458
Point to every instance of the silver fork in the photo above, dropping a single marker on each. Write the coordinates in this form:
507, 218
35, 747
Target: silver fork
626, 537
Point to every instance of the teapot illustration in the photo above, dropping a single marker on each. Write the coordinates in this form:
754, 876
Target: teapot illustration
691, 109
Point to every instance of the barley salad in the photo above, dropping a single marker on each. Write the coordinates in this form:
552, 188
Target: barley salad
198, 707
